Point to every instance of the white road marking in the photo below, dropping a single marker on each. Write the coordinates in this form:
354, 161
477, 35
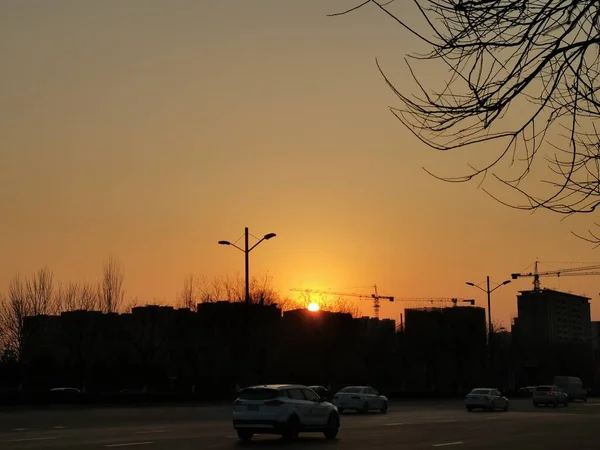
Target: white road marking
392, 424
20, 429
448, 443
152, 431
58, 427
33, 439
127, 444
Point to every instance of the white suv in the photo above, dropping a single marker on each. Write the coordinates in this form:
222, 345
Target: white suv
284, 409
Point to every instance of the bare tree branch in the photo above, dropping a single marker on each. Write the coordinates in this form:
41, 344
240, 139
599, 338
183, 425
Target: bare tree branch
519, 71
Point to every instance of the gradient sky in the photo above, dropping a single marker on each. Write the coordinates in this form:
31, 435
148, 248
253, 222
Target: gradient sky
148, 130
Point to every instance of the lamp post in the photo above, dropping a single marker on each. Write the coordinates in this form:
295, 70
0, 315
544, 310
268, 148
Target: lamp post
489, 292
247, 251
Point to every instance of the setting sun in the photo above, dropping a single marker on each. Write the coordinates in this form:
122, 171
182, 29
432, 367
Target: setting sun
313, 307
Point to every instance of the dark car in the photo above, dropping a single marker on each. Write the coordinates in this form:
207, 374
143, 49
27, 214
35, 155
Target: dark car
322, 392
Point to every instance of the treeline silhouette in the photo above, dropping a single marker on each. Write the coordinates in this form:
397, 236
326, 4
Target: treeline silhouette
211, 342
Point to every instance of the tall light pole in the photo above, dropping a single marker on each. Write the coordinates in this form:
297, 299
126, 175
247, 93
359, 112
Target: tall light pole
247, 251
489, 292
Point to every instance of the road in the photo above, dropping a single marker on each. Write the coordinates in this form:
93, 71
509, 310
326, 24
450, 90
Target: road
407, 426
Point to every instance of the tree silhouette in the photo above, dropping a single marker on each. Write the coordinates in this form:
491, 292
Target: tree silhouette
521, 73
110, 288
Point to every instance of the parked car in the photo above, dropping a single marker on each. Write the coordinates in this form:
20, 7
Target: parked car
285, 409
549, 395
488, 399
361, 399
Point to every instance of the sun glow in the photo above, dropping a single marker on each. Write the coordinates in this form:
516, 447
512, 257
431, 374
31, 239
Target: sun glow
314, 307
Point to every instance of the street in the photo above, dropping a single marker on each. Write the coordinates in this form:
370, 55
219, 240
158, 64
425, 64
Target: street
408, 425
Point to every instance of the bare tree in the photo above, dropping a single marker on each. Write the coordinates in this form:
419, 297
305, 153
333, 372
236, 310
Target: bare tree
521, 73
13, 311
29, 297
329, 303
39, 290
187, 298
76, 297
110, 289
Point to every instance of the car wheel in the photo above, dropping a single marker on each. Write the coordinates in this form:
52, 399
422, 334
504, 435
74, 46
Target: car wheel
292, 428
585, 399
341, 410
555, 404
535, 405
333, 426
245, 435
566, 403
384, 408
505, 409
492, 407
469, 409
365, 408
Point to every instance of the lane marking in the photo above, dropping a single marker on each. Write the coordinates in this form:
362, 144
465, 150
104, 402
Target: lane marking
20, 429
448, 443
127, 444
58, 427
392, 424
152, 431
33, 439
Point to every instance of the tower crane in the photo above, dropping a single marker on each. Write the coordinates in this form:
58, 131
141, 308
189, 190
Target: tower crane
376, 298
571, 272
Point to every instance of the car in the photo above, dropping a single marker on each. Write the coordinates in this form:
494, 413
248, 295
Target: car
488, 399
361, 399
549, 395
284, 409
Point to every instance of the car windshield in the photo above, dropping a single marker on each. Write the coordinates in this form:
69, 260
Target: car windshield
543, 388
258, 394
351, 390
480, 391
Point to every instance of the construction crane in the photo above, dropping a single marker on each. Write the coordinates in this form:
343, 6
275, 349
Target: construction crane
376, 298
571, 272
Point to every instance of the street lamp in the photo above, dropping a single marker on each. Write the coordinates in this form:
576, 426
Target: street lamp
246, 251
488, 292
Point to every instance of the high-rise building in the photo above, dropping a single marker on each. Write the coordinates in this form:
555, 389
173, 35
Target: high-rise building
548, 317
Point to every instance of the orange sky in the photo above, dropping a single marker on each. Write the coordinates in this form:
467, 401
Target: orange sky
149, 130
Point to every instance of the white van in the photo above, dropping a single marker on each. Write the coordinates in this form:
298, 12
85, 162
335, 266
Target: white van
572, 386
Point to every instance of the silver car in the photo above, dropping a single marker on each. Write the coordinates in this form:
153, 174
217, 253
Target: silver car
487, 399
550, 395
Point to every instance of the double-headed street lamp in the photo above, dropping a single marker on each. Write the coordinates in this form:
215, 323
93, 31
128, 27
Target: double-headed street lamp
488, 292
246, 251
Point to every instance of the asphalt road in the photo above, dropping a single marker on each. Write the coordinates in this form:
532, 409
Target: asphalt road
407, 426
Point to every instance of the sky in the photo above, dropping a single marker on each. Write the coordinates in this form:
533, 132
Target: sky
149, 130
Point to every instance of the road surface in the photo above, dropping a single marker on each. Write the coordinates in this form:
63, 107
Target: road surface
407, 426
